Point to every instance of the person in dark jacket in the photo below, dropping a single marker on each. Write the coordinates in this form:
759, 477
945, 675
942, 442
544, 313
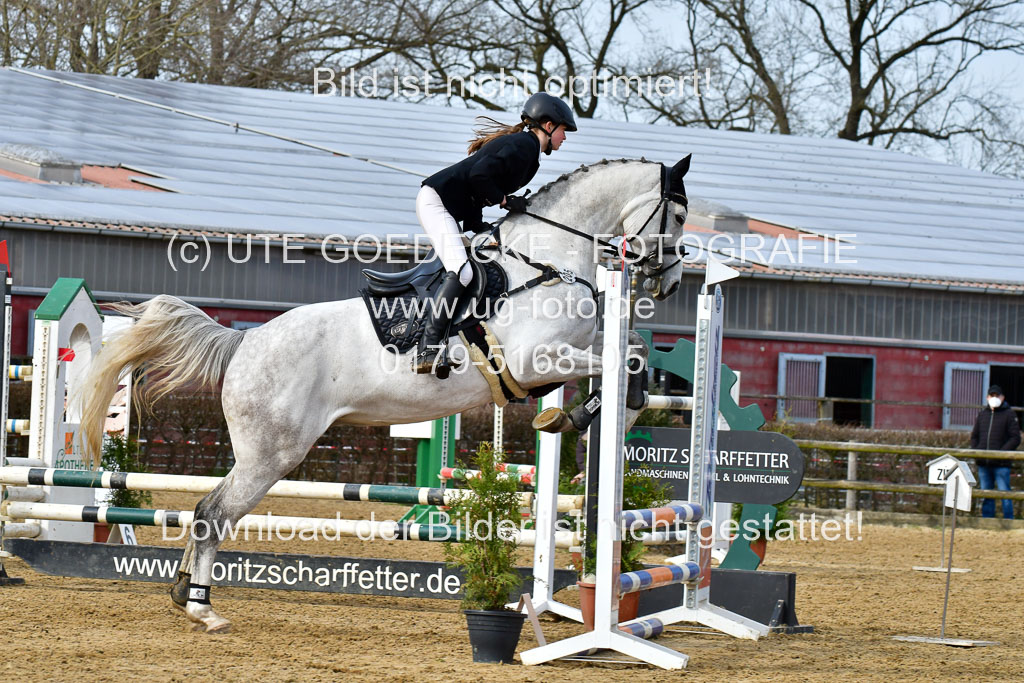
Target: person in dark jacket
995, 429
502, 159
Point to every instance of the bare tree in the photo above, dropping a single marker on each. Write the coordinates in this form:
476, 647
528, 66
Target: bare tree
896, 73
258, 43
745, 55
526, 45
117, 37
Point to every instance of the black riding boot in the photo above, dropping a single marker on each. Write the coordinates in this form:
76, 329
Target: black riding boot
437, 324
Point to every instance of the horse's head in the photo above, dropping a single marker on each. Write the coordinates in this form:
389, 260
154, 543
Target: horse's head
642, 201
652, 224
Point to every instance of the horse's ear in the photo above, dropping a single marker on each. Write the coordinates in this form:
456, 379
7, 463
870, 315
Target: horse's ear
681, 167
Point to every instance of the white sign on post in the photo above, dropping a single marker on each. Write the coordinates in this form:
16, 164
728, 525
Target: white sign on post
940, 468
958, 488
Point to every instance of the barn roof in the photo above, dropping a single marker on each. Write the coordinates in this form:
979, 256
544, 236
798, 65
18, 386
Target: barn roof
348, 166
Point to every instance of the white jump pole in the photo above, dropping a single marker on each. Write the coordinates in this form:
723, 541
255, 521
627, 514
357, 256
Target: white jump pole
549, 450
8, 529
606, 634
696, 607
499, 428
696, 570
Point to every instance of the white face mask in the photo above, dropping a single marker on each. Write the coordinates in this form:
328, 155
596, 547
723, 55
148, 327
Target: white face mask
995, 402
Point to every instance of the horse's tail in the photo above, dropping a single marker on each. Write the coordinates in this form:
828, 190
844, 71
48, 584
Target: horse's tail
172, 345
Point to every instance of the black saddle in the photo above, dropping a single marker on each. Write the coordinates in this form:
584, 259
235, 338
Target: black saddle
418, 277
397, 302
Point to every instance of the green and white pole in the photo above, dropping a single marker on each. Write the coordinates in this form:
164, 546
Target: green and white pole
437, 443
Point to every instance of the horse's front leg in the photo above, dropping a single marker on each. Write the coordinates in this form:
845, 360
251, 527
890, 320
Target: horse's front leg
557, 420
567, 364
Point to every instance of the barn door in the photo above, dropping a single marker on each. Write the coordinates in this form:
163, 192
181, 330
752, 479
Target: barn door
800, 375
964, 383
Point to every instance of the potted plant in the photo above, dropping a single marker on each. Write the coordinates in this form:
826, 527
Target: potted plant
486, 515
120, 455
639, 492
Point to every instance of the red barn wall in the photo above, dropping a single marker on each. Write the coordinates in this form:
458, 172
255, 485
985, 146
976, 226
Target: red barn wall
901, 374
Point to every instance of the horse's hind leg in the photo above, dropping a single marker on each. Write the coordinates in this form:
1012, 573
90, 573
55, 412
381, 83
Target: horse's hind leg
215, 517
179, 591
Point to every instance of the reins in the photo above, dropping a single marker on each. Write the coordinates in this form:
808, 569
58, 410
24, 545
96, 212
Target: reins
548, 272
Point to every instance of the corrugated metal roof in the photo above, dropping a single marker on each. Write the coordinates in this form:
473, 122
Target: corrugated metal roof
909, 217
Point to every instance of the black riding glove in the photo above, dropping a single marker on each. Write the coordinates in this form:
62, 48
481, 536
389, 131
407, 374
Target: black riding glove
515, 204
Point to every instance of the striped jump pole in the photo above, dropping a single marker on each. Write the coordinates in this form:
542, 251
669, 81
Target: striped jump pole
669, 403
360, 528
526, 478
20, 427
139, 481
25, 462
663, 516
642, 628
521, 469
22, 372
646, 579
24, 494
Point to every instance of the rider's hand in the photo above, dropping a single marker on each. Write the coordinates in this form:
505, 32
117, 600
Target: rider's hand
514, 204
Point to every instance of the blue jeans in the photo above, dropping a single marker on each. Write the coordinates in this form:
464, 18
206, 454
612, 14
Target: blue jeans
1001, 475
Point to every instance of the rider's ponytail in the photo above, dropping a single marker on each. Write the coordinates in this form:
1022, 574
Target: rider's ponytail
490, 129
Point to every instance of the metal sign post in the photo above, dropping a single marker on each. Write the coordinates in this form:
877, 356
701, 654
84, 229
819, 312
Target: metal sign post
958, 480
939, 470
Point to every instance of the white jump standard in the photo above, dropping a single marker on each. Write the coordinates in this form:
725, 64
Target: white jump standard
695, 571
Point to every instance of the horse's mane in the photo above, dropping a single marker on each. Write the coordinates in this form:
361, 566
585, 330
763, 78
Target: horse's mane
583, 169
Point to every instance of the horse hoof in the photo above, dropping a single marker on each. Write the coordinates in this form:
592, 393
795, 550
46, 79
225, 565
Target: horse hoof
206, 620
553, 421
203, 628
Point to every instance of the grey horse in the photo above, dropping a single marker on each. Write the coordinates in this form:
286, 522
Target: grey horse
287, 381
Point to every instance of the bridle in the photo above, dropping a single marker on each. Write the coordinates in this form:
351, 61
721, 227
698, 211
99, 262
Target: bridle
672, 190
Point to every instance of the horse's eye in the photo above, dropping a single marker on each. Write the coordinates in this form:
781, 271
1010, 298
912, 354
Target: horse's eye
679, 219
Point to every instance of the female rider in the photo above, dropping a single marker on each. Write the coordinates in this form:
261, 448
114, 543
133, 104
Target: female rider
501, 160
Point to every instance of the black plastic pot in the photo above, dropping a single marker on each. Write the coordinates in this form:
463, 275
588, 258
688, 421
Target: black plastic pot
494, 635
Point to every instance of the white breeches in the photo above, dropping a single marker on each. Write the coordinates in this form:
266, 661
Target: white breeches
444, 233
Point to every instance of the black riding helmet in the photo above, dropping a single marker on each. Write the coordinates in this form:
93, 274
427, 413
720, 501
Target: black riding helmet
541, 107
544, 107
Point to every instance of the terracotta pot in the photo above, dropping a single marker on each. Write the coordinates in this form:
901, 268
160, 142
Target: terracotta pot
587, 603
629, 605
